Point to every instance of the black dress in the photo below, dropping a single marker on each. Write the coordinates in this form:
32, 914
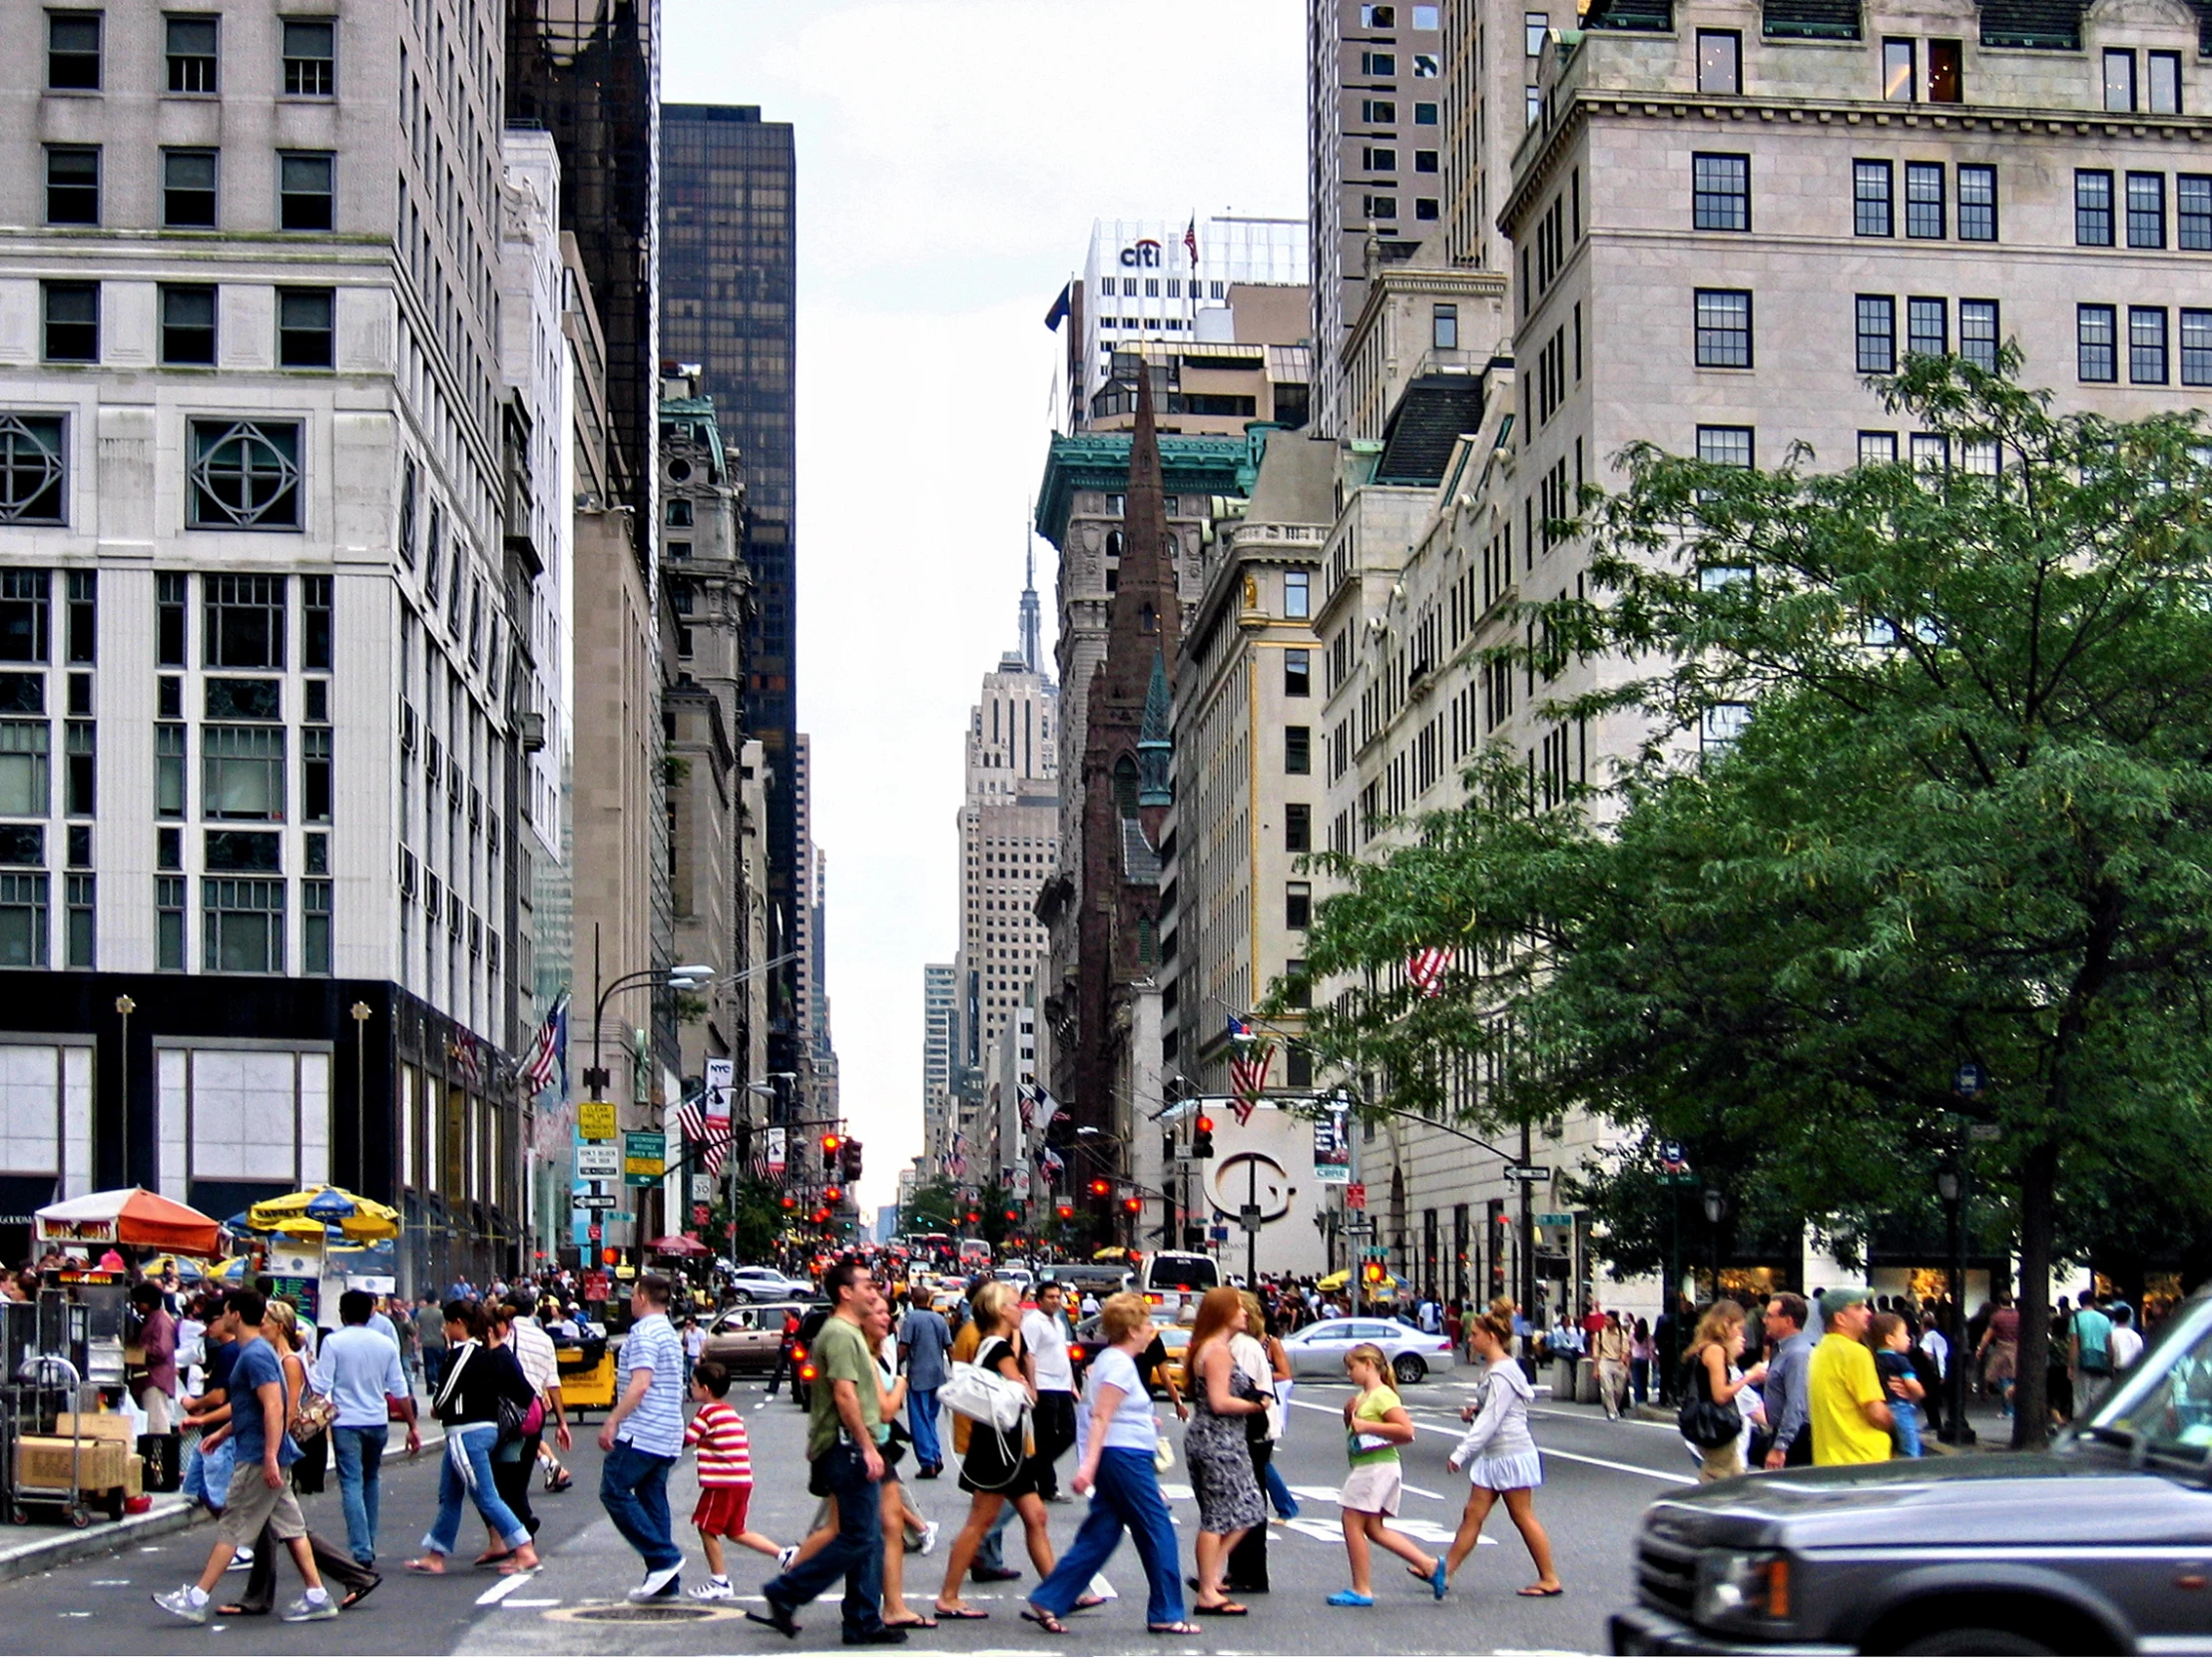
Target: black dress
996, 1460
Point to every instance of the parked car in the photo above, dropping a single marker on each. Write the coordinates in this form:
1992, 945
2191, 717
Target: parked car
767, 1284
802, 1344
2100, 1546
748, 1337
1319, 1349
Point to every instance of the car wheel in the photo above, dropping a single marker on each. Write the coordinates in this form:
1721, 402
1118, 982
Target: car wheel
1976, 1639
741, 1297
1409, 1368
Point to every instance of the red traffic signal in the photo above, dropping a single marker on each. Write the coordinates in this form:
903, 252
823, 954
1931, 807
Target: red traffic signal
1135, 1206
789, 1203
1067, 1212
836, 1195
1101, 1188
1205, 1125
975, 1215
1011, 1216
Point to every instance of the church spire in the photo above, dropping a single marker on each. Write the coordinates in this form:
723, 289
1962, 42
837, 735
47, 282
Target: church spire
1145, 616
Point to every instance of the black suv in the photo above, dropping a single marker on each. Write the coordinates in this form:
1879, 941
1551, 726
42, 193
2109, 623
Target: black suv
2101, 1546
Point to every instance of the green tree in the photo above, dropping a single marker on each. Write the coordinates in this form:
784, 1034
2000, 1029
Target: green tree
757, 1215
1922, 780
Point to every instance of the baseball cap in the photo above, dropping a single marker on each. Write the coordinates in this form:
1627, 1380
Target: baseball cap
1834, 1302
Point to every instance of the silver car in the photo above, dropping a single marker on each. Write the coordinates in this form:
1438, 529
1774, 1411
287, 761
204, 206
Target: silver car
767, 1284
1319, 1349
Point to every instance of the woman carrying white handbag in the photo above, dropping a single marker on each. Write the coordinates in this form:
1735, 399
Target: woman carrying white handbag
997, 1466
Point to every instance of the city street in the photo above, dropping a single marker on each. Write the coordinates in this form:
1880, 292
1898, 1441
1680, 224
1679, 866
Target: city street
1598, 1478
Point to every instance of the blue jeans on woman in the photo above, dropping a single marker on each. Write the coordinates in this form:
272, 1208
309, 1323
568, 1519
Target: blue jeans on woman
1127, 1496
1279, 1493
471, 1442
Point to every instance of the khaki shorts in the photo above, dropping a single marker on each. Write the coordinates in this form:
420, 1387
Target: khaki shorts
251, 1506
157, 1405
1373, 1488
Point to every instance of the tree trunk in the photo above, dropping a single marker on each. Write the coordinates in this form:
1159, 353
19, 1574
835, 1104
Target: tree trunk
2039, 1199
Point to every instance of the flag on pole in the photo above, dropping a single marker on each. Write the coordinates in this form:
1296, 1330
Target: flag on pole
1247, 1079
547, 1051
1190, 241
1042, 1108
1425, 968
1240, 1029
713, 1142
1049, 1163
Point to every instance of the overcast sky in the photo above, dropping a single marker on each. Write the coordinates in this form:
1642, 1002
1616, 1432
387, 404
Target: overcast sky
951, 157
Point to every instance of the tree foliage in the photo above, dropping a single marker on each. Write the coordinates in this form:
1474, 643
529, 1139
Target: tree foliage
1915, 775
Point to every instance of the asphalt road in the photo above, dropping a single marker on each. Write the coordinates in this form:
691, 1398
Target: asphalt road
1598, 1478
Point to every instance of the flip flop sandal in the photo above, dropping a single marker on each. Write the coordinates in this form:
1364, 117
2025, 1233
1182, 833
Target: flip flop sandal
1181, 1627
1225, 1609
515, 1569
419, 1565
911, 1624
1536, 1590
1044, 1622
1086, 1601
356, 1594
962, 1614
491, 1558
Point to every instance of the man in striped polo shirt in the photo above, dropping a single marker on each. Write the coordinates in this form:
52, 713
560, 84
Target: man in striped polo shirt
643, 1437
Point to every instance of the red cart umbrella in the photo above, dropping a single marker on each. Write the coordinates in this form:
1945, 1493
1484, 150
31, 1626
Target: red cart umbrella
129, 1216
677, 1244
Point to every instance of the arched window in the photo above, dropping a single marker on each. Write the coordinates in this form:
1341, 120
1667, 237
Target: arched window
1147, 623
1113, 544
1125, 787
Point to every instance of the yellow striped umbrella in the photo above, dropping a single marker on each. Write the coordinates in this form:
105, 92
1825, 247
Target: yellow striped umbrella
306, 1214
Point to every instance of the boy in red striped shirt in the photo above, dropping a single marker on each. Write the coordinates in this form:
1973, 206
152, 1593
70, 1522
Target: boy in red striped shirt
724, 1478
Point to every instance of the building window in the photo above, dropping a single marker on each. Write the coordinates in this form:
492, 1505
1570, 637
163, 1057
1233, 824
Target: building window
1298, 825
307, 192
243, 925
169, 619
168, 771
73, 51
314, 775
2146, 344
1947, 72
1375, 160
1870, 193
169, 921
72, 185
1721, 192
1927, 326
2119, 80
2193, 211
310, 59
1298, 594
71, 321
1424, 115
1722, 725
1535, 28
1978, 332
1379, 63
315, 617
192, 55
1297, 749
1426, 65
79, 772
304, 335
1898, 77
680, 513
188, 326
1877, 333
1720, 62
23, 616
188, 190
2197, 349
2094, 330
314, 927
1425, 161
1725, 445
31, 471
241, 773
1381, 207
245, 621
1379, 112
1978, 204
2146, 209
1877, 448
1723, 329
1424, 207
1533, 105
1297, 673
2092, 208
1444, 328
1924, 200
22, 921
244, 475
1297, 904
24, 773
1930, 453
2165, 83
78, 891
1298, 990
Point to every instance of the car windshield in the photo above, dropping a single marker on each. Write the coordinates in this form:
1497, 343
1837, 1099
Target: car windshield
2163, 1409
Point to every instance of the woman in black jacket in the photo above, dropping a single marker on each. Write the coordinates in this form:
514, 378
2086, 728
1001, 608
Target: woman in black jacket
477, 1378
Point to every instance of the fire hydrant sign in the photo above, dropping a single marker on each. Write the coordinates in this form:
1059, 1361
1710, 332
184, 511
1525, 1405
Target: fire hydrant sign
644, 1159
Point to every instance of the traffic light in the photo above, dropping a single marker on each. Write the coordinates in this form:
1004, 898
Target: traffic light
789, 1203
834, 1194
1101, 1187
1201, 1137
1133, 1205
975, 1216
1066, 1212
1011, 1216
852, 1155
821, 1216
1373, 1272
829, 1145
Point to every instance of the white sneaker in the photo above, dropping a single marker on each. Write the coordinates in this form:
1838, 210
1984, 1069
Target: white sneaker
714, 1589
308, 1608
785, 1556
241, 1560
661, 1584
179, 1602
930, 1531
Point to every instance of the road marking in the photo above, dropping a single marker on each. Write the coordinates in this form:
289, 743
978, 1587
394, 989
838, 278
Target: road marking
533, 1601
1570, 1456
505, 1587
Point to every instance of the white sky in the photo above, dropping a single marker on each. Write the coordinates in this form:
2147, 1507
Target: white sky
951, 157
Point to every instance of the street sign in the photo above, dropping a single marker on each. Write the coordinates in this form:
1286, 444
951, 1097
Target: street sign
1673, 1157
702, 1187
1969, 1080
1555, 1218
644, 1159
1248, 1217
698, 1214
593, 1201
595, 1120
1528, 1172
598, 1163
1359, 1229
1219, 1235
1985, 1132
1356, 1195
595, 1232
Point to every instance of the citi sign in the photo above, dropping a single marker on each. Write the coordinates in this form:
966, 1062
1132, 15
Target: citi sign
1144, 253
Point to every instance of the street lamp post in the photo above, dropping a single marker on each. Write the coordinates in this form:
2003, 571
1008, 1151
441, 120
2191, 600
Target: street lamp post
124, 1008
360, 1013
1951, 1187
1716, 1210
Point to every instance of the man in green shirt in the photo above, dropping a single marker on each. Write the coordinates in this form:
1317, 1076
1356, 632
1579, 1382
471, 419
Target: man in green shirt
841, 1418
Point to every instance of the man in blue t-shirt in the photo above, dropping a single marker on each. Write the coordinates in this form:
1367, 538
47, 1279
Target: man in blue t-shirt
261, 1485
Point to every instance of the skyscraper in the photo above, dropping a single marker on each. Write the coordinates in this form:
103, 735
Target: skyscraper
728, 279
937, 999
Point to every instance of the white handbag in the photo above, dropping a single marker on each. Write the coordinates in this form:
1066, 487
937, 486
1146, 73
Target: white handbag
986, 1396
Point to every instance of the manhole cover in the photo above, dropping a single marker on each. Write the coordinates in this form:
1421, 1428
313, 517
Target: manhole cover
622, 1612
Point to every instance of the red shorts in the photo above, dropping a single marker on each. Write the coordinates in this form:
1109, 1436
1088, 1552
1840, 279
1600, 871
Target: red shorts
721, 1512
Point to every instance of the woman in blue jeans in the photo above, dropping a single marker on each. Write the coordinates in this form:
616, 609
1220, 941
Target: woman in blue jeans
1125, 1491
477, 1377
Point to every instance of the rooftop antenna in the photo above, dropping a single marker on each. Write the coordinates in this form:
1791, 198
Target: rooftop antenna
1032, 622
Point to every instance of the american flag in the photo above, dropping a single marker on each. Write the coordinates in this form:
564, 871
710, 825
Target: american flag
1248, 1078
1425, 968
714, 1142
545, 1057
1042, 1108
1049, 1162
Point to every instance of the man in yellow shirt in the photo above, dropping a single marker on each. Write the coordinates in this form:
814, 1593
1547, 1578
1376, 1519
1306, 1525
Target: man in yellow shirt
1849, 1411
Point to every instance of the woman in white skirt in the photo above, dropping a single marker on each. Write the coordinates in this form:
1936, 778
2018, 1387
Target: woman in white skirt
1499, 1458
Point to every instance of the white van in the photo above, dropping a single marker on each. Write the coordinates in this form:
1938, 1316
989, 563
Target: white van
1168, 1275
